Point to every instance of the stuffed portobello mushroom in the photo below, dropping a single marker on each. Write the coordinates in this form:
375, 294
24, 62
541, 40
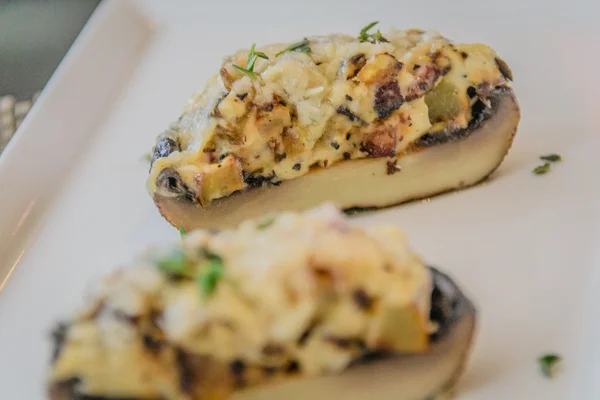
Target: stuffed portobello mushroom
363, 122
288, 306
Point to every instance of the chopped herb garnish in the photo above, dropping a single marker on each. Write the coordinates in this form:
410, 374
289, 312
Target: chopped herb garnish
176, 264
251, 74
147, 157
551, 158
207, 276
364, 31
547, 363
253, 55
210, 274
376, 37
265, 222
301, 46
542, 169
182, 231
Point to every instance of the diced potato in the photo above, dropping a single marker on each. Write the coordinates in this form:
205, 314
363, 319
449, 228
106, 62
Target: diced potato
399, 329
219, 180
294, 141
379, 68
270, 124
232, 107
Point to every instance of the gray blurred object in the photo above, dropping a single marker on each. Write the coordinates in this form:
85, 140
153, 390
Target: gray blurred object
35, 35
12, 113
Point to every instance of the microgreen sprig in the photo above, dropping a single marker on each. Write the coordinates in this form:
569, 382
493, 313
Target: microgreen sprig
376, 37
253, 55
301, 46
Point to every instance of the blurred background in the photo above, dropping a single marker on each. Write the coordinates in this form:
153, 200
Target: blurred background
35, 35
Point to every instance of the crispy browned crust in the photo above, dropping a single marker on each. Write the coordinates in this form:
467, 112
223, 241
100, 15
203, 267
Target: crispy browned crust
181, 212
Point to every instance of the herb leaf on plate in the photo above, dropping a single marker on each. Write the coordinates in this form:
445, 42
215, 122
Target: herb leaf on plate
542, 169
547, 364
551, 158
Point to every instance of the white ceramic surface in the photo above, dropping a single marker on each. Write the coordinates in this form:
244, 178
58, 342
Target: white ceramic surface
39, 158
525, 247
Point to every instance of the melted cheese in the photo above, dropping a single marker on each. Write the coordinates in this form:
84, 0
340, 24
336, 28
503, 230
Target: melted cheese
319, 108
308, 275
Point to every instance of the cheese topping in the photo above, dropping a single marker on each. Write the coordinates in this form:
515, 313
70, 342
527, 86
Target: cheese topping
296, 293
345, 99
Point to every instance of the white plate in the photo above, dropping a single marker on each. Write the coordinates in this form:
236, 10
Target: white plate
525, 247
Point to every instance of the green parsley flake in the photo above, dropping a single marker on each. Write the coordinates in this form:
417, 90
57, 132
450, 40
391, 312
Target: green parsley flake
301, 46
175, 264
551, 158
542, 169
265, 222
547, 364
182, 231
210, 274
